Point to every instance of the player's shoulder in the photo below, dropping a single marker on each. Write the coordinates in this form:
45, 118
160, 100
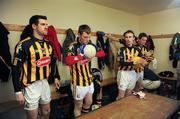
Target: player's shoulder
136, 47
23, 42
122, 48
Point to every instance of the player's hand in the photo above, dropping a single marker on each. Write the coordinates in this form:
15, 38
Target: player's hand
20, 98
57, 83
143, 62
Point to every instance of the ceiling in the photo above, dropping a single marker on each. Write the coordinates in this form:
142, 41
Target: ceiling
138, 7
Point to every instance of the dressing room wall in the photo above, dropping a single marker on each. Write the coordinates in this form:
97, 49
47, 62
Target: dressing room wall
64, 14
164, 22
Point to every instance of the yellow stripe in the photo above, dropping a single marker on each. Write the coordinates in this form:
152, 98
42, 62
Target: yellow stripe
142, 51
33, 63
89, 74
25, 73
132, 53
41, 56
47, 54
128, 53
73, 79
20, 44
145, 51
80, 75
26, 39
136, 53
124, 53
85, 74
50, 50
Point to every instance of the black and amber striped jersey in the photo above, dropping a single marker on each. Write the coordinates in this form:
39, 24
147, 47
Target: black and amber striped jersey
143, 49
33, 60
81, 71
125, 57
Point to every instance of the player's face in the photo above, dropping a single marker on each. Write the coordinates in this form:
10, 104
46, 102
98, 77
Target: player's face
129, 38
84, 38
142, 41
41, 27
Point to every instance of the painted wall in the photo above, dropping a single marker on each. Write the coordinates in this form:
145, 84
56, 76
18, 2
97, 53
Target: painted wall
64, 14
164, 22
71, 13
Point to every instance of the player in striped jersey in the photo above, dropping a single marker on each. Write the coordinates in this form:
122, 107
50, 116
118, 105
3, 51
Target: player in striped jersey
148, 74
126, 77
33, 63
81, 78
140, 44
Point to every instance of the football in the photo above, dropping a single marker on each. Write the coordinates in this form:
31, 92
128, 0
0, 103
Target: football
89, 51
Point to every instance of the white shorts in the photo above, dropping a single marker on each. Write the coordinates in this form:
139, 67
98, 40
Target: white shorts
79, 92
126, 79
37, 93
140, 76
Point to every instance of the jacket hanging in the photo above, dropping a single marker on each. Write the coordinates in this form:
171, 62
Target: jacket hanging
70, 38
4, 45
174, 50
104, 45
53, 40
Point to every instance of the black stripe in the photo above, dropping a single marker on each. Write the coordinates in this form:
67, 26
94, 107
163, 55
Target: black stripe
29, 68
126, 55
37, 57
86, 68
44, 68
77, 75
83, 75
89, 66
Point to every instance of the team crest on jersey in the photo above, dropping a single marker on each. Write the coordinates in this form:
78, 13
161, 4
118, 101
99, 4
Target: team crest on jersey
45, 61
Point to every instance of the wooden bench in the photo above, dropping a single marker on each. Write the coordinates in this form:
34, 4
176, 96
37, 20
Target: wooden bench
168, 78
106, 82
109, 81
131, 107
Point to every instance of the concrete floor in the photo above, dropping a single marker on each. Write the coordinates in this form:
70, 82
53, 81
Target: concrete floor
11, 110
16, 113
6, 91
